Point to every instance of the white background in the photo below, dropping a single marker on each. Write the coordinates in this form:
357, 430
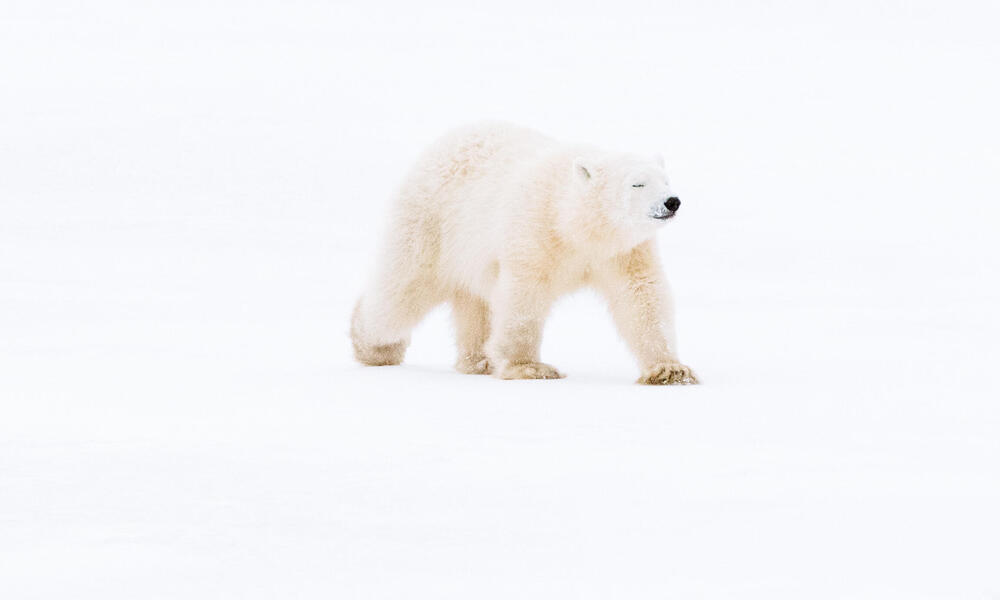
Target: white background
190, 194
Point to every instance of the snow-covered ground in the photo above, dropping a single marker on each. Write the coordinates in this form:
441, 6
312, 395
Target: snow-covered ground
190, 193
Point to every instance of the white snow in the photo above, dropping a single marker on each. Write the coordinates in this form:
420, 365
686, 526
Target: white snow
190, 194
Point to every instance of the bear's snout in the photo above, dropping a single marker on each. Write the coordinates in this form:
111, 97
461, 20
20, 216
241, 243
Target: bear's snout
672, 203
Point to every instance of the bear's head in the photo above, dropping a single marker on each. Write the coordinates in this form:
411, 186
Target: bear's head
622, 198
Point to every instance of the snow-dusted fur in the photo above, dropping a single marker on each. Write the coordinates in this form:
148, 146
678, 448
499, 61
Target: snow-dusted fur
500, 221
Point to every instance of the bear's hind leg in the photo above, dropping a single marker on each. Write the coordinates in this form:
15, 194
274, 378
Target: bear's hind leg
472, 327
383, 319
402, 292
370, 352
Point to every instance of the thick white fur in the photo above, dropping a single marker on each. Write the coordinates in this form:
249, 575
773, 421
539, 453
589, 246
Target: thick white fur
500, 221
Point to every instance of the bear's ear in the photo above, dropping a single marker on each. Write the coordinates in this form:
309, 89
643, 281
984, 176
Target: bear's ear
581, 168
658, 159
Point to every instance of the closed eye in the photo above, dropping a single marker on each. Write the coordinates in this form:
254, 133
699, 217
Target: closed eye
638, 185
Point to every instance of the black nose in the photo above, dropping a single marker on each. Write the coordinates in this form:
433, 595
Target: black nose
673, 203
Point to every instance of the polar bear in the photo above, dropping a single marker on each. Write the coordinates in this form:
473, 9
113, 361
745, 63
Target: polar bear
500, 221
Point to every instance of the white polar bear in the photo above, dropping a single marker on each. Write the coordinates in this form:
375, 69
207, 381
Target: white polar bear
500, 221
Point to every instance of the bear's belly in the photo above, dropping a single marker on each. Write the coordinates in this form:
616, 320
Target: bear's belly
471, 271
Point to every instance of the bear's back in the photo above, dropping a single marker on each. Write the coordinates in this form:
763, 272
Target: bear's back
489, 149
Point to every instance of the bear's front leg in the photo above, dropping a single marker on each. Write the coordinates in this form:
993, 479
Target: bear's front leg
641, 305
668, 373
520, 305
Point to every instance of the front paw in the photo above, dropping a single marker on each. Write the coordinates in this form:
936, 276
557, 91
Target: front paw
670, 373
533, 370
474, 364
